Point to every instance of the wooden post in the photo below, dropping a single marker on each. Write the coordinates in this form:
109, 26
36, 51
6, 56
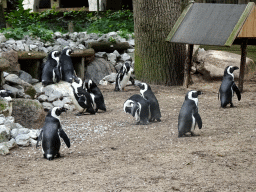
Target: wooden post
71, 27
242, 64
98, 6
187, 67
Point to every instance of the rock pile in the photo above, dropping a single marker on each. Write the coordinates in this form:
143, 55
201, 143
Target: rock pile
13, 134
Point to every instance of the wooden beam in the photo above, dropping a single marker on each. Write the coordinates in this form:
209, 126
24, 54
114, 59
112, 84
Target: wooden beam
187, 67
242, 64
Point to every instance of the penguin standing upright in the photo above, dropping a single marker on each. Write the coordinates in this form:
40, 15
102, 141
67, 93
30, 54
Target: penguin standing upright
138, 107
51, 69
123, 76
66, 65
146, 92
81, 98
228, 87
189, 116
51, 132
92, 88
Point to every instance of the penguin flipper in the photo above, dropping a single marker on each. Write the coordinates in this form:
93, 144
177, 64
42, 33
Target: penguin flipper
39, 138
198, 120
134, 109
235, 88
64, 136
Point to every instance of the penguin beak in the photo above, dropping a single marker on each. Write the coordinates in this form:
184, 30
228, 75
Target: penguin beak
233, 69
63, 109
139, 85
199, 93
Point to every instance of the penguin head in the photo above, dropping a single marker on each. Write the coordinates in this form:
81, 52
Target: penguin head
77, 82
89, 84
229, 70
127, 68
193, 95
143, 88
56, 112
54, 55
67, 51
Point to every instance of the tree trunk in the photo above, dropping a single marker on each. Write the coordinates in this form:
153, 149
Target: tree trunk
2, 18
157, 61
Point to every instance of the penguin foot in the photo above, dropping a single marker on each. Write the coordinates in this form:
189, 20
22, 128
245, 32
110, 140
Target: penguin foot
158, 119
231, 105
79, 114
58, 155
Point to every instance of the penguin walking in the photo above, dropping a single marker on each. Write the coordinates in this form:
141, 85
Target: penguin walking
123, 76
50, 134
81, 98
228, 87
66, 65
51, 69
139, 108
189, 116
92, 88
147, 93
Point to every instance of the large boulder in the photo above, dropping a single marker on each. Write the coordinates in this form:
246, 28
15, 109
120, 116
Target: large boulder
4, 64
211, 64
98, 69
12, 57
29, 113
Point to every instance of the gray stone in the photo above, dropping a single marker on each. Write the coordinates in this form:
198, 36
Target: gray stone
47, 106
25, 76
81, 46
63, 87
34, 81
4, 149
4, 133
29, 113
101, 54
18, 126
55, 95
112, 58
33, 47
2, 119
11, 144
5, 74
6, 108
67, 100
103, 82
62, 42
125, 57
20, 45
10, 41
34, 133
48, 90
69, 107
12, 78
26, 47
58, 103
16, 132
110, 78
131, 42
2, 38
57, 34
130, 50
43, 98
39, 88
9, 122
118, 66
33, 142
117, 54
112, 34
23, 140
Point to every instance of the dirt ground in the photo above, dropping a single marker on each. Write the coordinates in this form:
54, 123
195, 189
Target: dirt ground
129, 157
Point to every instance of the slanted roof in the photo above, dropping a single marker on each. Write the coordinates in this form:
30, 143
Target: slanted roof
210, 24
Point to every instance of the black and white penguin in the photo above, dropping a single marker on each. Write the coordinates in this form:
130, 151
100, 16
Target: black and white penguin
147, 93
51, 69
66, 65
189, 116
92, 88
82, 99
228, 87
138, 107
123, 76
51, 132
6, 94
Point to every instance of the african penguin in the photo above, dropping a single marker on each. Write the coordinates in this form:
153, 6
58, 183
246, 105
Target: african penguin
92, 88
66, 65
6, 94
51, 69
123, 76
138, 107
51, 132
228, 87
81, 98
147, 93
189, 116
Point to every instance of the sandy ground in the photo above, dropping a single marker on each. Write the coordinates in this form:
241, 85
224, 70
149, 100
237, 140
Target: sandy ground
122, 156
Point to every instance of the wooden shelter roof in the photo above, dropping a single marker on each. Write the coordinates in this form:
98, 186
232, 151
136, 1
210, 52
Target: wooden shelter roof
215, 24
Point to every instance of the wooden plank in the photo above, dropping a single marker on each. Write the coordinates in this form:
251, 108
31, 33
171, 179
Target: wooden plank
178, 22
240, 23
187, 67
31, 55
249, 28
83, 53
242, 64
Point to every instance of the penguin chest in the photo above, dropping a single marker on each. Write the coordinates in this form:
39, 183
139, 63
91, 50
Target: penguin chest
75, 102
193, 125
125, 80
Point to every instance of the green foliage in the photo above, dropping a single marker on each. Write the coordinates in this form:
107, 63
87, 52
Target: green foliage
44, 24
112, 40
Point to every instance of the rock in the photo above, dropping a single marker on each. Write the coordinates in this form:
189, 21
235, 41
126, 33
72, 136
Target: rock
33, 133
14, 79
11, 144
4, 133
69, 107
58, 103
67, 100
63, 87
39, 88
57, 34
29, 113
33, 142
131, 43
12, 57
130, 50
126, 57
42, 98
4, 149
2, 38
110, 78
117, 54
12, 89
101, 54
25, 76
98, 69
16, 132
112, 34
23, 140
5, 107
213, 63
112, 58
47, 106
55, 95
34, 81
118, 66
2, 119
18, 126
4, 64
20, 45
9, 122
62, 42
103, 82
